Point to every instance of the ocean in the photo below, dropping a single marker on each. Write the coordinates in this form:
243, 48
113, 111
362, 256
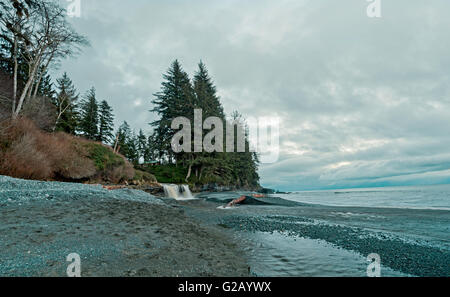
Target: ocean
416, 197
332, 233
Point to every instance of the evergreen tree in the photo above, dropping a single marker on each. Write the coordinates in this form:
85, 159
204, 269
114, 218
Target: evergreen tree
142, 145
175, 99
206, 99
46, 87
243, 165
206, 94
123, 134
151, 152
66, 105
106, 123
128, 143
133, 148
180, 97
89, 116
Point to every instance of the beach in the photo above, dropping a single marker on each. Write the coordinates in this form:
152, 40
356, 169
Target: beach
128, 232
116, 233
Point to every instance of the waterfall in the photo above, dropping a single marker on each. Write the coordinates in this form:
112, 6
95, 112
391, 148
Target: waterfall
186, 191
178, 192
171, 191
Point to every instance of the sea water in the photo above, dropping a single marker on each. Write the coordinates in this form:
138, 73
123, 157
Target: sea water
331, 233
416, 197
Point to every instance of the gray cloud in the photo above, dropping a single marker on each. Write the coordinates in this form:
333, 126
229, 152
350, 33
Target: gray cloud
363, 102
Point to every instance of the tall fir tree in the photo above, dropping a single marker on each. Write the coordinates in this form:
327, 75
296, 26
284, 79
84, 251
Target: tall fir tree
106, 123
175, 99
180, 97
206, 94
89, 116
66, 101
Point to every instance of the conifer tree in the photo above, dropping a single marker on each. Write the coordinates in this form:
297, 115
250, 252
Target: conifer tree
106, 123
206, 94
133, 148
142, 145
207, 100
175, 99
89, 116
127, 141
123, 134
46, 87
180, 97
151, 152
66, 105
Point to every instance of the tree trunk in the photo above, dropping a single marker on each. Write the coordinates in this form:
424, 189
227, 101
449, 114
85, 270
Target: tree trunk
30, 89
60, 113
15, 76
56, 123
25, 91
189, 173
40, 76
116, 143
201, 173
36, 87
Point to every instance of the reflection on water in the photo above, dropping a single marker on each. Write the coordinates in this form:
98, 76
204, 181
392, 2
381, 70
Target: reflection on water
279, 255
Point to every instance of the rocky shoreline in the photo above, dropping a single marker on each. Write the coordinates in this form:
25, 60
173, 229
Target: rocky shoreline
158, 190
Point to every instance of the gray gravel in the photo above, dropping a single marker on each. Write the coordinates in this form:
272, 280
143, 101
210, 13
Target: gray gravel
14, 190
116, 233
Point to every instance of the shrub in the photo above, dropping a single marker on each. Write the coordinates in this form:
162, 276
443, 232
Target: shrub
42, 112
25, 161
30, 153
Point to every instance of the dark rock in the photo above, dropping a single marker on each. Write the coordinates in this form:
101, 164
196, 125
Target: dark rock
154, 190
267, 191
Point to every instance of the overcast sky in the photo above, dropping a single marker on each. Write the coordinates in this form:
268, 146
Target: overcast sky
363, 101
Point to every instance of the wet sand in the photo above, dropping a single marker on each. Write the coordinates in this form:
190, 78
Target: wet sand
113, 237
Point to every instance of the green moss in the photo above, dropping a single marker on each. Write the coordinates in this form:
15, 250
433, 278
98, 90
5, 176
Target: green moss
103, 157
169, 174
